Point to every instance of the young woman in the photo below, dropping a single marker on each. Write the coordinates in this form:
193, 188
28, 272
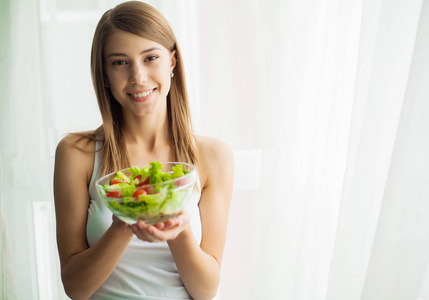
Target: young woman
139, 81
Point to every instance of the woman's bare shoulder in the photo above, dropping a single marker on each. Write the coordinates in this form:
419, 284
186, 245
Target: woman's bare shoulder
215, 157
76, 154
76, 141
209, 146
212, 149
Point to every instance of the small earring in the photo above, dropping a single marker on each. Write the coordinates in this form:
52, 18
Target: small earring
172, 75
107, 84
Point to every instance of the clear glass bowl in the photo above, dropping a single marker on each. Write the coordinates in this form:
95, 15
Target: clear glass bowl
163, 200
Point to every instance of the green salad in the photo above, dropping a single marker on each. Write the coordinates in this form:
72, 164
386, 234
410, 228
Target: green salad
147, 193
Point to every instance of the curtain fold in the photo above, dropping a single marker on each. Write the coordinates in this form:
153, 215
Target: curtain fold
7, 276
26, 168
312, 84
400, 252
374, 132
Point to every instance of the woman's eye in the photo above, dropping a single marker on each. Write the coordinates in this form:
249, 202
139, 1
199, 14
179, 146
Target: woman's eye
119, 62
150, 58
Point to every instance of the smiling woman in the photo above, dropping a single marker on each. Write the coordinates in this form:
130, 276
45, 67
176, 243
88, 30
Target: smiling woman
144, 29
145, 118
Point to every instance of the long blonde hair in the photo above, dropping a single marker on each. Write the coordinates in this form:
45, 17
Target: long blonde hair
143, 20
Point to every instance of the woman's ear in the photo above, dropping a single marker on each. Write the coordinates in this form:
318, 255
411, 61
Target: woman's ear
173, 60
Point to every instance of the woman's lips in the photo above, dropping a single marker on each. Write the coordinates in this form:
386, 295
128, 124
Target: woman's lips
141, 96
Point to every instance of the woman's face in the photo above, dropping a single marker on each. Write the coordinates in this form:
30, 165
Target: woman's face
138, 72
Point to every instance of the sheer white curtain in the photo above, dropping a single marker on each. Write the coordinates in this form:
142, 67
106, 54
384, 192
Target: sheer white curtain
319, 98
324, 103
24, 164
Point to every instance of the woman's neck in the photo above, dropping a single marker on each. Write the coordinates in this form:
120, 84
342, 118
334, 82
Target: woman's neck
148, 132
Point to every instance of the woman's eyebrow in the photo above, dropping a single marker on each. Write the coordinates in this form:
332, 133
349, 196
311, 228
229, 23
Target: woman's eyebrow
123, 54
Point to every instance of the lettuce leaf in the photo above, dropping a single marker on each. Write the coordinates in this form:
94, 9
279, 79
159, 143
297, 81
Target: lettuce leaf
155, 172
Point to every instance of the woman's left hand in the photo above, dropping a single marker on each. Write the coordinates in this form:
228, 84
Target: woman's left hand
163, 231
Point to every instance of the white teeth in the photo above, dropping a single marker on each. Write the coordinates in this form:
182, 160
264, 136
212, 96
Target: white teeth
140, 95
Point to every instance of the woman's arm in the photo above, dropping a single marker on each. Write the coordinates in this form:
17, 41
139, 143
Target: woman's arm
83, 269
199, 265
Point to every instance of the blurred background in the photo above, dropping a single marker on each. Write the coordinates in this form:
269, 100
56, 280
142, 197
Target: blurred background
325, 103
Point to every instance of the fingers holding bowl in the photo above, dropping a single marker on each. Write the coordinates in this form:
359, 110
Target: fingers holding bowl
162, 231
144, 231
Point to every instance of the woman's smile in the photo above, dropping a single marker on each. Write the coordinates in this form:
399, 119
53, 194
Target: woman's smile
141, 96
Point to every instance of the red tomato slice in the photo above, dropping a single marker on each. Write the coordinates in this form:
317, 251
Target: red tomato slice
116, 181
149, 189
114, 194
139, 177
145, 181
139, 192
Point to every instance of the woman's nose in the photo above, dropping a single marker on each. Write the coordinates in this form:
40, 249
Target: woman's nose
138, 74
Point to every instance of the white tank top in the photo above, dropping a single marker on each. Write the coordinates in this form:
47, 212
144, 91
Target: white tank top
145, 270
